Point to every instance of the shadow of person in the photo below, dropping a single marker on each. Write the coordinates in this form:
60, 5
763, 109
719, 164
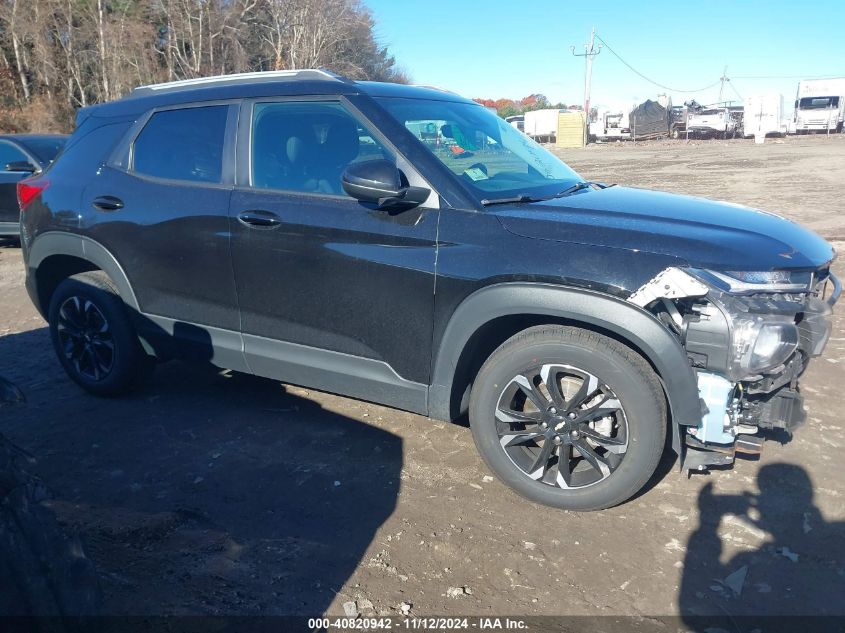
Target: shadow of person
796, 570
206, 492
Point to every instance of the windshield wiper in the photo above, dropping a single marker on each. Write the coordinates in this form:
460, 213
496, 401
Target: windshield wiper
578, 186
512, 200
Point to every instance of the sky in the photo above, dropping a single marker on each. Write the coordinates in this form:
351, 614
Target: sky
511, 49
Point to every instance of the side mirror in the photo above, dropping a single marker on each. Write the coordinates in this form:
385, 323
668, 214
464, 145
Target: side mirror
23, 166
380, 182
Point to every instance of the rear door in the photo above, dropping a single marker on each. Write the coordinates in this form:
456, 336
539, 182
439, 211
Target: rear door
161, 207
352, 288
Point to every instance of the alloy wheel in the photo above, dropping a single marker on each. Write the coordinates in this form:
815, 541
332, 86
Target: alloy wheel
86, 338
562, 426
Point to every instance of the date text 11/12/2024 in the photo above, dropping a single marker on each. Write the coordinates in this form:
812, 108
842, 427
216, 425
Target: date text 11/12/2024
417, 624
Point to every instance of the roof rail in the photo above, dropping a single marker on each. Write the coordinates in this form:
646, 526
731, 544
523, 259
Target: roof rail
432, 87
313, 74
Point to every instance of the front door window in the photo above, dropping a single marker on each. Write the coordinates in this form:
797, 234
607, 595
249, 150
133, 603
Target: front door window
305, 146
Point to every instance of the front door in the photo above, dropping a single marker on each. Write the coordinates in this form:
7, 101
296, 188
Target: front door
332, 294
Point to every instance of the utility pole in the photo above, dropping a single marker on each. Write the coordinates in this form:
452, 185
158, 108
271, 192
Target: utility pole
723, 79
590, 51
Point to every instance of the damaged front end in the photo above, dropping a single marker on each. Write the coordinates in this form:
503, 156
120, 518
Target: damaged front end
749, 337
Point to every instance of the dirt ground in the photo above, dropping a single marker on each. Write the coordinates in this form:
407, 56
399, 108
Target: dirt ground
212, 493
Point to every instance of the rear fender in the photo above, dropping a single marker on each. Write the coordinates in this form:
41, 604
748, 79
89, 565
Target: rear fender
62, 243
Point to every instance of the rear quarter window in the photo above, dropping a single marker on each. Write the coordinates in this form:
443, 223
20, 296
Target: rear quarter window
182, 144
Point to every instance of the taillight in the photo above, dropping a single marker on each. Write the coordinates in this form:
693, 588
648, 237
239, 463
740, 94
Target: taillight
29, 190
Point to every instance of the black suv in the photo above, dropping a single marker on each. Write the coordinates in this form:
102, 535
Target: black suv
403, 245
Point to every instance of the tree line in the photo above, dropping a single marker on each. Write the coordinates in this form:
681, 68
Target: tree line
60, 55
509, 107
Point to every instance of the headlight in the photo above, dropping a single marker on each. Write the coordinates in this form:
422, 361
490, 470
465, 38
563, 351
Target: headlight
759, 346
750, 282
729, 335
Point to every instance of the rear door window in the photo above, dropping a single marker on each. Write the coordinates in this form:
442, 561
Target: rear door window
183, 144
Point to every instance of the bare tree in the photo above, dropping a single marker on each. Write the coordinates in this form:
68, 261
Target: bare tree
57, 55
14, 24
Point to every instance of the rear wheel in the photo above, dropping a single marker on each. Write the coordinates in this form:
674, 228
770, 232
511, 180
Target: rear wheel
568, 417
94, 337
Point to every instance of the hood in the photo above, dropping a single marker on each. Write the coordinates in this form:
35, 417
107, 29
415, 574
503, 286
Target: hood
702, 233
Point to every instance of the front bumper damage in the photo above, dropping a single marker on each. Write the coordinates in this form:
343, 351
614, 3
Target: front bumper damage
737, 406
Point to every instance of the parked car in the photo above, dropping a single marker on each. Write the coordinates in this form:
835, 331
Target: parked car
712, 123
293, 225
21, 155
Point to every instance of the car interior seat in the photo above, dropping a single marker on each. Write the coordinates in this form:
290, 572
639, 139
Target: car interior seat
340, 147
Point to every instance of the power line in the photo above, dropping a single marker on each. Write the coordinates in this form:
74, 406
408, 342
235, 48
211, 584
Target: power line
659, 85
784, 76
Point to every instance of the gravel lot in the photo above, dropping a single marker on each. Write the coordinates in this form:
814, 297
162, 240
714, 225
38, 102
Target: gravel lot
210, 493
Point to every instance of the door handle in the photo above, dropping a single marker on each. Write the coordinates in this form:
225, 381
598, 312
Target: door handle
107, 203
259, 218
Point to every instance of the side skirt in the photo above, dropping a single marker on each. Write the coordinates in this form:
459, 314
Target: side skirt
335, 372
344, 374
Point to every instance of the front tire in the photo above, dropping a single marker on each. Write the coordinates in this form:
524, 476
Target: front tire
568, 417
93, 335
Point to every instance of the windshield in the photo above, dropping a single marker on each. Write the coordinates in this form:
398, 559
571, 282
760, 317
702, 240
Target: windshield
491, 156
818, 103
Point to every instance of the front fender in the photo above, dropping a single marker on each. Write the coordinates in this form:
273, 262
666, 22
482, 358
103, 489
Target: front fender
638, 328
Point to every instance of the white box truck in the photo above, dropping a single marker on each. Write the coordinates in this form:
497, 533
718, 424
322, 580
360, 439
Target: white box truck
820, 105
541, 125
764, 115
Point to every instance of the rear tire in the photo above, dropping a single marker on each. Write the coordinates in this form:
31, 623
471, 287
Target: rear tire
93, 336
556, 445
